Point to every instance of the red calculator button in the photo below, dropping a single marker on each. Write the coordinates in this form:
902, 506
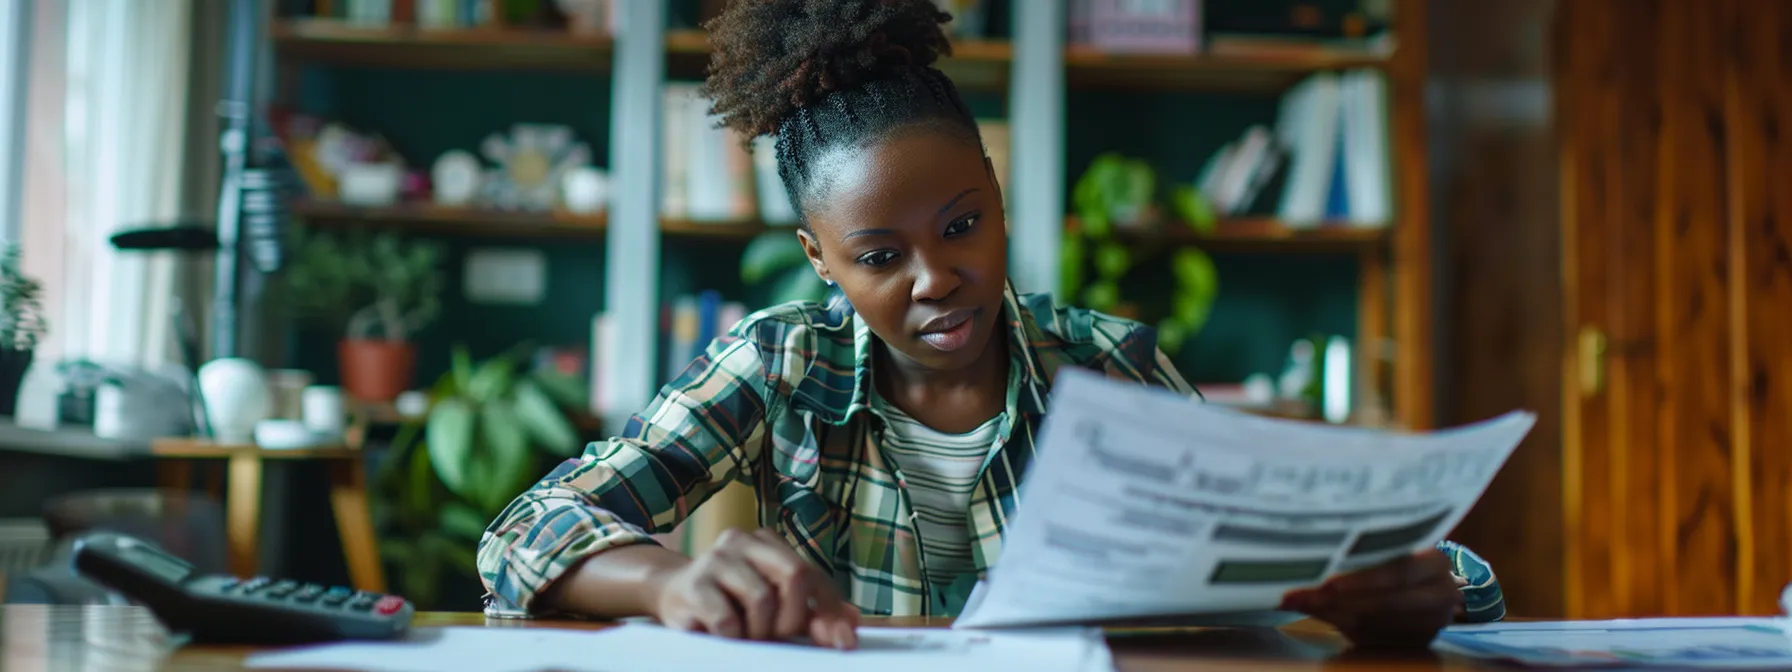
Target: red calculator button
389, 604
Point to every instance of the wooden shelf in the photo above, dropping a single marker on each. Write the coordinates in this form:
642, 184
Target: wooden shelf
424, 217
1228, 65
1259, 234
737, 230
336, 42
207, 449
974, 64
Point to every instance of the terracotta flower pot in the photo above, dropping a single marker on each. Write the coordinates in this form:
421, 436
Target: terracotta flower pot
376, 370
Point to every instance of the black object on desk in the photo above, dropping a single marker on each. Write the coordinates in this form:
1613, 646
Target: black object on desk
222, 609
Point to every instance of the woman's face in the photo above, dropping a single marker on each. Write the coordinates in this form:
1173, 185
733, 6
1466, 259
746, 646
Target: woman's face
912, 230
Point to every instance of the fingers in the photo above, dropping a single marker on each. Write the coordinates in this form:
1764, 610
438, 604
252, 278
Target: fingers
1406, 570
808, 603
785, 597
1404, 601
712, 611
756, 598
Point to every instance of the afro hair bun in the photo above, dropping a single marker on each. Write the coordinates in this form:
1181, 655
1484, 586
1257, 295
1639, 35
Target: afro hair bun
773, 57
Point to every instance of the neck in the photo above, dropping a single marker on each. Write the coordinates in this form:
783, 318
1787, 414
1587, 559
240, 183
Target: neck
908, 379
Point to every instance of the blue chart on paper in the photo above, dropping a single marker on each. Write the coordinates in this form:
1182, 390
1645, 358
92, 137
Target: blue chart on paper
1716, 643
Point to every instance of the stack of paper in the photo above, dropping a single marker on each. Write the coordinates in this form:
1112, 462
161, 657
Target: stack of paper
1679, 643
638, 647
1144, 504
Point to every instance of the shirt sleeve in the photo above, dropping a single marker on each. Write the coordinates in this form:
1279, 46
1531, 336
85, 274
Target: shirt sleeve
701, 432
1136, 356
1482, 598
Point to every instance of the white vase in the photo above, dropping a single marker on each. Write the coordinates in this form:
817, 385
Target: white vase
236, 397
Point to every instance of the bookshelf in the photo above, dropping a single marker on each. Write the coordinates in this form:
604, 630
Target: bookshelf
1393, 293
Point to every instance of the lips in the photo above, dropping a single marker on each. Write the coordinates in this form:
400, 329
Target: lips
950, 331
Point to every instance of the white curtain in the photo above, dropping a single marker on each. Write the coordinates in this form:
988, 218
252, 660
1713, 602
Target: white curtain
122, 149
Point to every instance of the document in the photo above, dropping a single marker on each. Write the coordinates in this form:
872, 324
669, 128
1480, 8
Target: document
1679, 643
647, 647
1143, 504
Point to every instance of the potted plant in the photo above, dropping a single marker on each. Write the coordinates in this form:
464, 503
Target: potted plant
22, 324
451, 472
383, 289
1117, 192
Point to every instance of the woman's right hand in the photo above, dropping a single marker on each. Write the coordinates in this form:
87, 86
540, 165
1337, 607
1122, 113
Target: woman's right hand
753, 585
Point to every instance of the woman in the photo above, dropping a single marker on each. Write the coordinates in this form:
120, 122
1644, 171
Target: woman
885, 434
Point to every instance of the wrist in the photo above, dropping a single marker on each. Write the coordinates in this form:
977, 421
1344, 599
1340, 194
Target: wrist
654, 580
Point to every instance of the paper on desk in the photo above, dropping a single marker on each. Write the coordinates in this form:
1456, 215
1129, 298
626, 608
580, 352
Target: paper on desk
640, 647
1683, 643
1145, 504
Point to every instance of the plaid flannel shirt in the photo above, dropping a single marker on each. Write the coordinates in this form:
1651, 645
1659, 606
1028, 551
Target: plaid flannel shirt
782, 402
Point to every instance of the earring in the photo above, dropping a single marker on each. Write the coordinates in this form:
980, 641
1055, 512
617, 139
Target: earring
830, 282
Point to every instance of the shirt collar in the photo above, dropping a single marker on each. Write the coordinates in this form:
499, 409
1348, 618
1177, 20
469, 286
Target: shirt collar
1026, 371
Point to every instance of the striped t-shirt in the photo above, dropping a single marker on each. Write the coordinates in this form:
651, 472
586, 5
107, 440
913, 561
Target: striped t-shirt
940, 471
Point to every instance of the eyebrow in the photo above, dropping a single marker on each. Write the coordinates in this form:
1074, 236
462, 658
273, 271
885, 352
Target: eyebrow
888, 232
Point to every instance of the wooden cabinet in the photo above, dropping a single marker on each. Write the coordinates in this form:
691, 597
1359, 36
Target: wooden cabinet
1675, 128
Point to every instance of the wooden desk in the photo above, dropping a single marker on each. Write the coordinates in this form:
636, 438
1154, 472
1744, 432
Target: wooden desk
127, 639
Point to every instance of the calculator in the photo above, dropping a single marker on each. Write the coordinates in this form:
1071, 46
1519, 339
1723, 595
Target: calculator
226, 609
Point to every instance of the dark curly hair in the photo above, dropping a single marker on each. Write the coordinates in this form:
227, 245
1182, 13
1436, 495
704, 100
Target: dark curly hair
821, 74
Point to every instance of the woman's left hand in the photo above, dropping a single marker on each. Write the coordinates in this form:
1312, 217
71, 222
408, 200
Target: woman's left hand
1400, 603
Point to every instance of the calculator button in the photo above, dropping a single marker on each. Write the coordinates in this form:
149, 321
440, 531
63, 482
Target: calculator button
256, 584
228, 585
336, 596
388, 605
310, 592
282, 589
362, 603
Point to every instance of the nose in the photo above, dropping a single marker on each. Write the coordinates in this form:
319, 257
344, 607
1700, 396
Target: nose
936, 277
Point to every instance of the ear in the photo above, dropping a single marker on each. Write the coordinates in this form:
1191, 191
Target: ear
989, 167
812, 250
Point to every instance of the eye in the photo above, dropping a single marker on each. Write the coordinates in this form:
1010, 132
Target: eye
962, 225
878, 258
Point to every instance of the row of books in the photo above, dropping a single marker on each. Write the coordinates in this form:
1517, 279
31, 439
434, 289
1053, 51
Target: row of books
688, 322
1326, 160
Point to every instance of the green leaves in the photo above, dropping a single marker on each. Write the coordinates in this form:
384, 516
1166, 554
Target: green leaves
474, 456
22, 320
1115, 188
483, 419
462, 522
332, 277
799, 284
449, 435
778, 258
1112, 261
770, 254
1193, 208
1197, 284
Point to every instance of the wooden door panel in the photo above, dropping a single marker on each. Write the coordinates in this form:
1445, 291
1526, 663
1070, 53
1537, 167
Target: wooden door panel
1758, 96
1693, 314
1678, 247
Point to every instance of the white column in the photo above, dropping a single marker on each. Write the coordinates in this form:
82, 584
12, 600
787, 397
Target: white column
1036, 120
632, 256
15, 84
